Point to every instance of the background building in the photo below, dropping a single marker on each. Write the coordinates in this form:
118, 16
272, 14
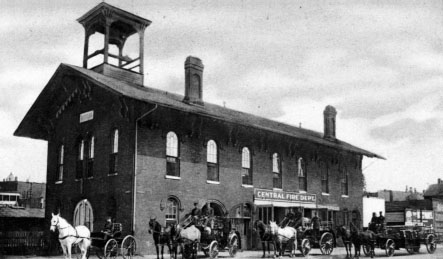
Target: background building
117, 148
22, 215
22, 193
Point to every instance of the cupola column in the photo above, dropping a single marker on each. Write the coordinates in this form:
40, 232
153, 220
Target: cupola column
86, 48
117, 26
141, 33
106, 50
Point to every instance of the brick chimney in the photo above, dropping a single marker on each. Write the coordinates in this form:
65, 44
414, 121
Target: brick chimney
193, 81
329, 115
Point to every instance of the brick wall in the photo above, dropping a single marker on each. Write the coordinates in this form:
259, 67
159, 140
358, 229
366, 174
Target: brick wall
152, 185
111, 111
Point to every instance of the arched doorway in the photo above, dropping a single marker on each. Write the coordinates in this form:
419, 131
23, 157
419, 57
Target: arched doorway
218, 208
83, 214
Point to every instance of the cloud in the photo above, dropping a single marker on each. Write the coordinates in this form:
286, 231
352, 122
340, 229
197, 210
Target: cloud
407, 129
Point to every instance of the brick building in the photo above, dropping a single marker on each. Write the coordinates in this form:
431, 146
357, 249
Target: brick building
22, 193
119, 148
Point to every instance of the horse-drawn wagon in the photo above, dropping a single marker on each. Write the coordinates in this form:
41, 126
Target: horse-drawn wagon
112, 244
323, 238
393, 238
306, 238
82, 242
216, 235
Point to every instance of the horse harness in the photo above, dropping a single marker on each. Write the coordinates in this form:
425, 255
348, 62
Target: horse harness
62, 238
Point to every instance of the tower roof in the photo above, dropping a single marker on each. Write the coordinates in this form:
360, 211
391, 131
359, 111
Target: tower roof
124, 23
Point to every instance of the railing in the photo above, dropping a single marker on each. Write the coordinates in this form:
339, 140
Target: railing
22, 242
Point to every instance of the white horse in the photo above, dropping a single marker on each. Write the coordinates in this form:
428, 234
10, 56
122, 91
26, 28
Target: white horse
69, 235
189, 239
282, 236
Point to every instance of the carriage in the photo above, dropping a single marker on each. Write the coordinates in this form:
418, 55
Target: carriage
216, 236
324, 239
407, 237
110, 246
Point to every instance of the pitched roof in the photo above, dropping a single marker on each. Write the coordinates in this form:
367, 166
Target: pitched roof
29, 126
434, 190
20, 212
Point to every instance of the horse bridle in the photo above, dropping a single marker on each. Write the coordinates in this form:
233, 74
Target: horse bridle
57, 225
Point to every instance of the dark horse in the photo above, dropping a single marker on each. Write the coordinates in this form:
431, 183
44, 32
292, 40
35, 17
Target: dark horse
346, 236
162, 236
366, 238
264, 233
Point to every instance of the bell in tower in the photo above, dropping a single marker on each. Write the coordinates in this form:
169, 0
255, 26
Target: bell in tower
116, 25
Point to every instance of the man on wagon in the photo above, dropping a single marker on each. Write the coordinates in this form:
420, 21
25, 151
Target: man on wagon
374, 222
107, 229
193, 216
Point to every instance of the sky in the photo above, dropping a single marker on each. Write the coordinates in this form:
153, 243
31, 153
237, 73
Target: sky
379, 63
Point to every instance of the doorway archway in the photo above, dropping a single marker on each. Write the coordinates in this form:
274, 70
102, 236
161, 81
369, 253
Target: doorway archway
84, 215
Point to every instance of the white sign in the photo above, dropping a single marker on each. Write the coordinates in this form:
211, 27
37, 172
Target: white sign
86, 116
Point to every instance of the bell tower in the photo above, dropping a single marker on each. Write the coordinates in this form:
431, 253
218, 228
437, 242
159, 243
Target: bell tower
116, 25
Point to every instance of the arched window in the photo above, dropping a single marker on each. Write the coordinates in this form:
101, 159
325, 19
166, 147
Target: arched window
302, 181
115, 141
113, 157
344, 181
80, 158
172, 160
90, 162
83, 215
276, 170
212, 161
246, 167
172, 211
324, 178
61, 157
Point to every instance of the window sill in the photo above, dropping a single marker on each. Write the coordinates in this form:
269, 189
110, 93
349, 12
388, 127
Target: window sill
172, 177
325, 194
92, 177
247, 186
344, 196
59, 182
301, 191
212, 182
114, 174
277, 189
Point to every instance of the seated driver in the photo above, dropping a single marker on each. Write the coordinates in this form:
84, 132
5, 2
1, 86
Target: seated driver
107, 229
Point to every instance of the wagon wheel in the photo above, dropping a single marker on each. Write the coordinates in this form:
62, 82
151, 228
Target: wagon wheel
233, 245
417, 249
213, 249
111, 249
390, 247
326, 243
128, 247
431, 245
305, 247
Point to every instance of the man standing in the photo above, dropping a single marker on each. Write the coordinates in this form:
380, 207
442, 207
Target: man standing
315, 223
